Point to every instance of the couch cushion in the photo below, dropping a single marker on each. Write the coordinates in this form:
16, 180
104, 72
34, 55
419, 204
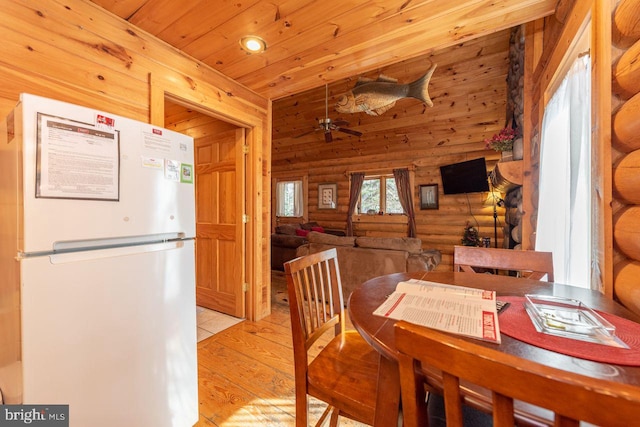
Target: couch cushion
330, 239
289, 229
358, 265
301, 232
287, 241
309, 225
409, 244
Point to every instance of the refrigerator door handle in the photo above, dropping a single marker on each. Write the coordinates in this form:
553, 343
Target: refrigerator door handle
68, 257
88, 244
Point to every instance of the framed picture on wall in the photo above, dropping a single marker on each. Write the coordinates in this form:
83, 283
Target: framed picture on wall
429, 196
327, 196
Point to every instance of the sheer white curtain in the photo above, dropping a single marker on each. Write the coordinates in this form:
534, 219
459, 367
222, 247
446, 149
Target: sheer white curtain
289, 198
564, 209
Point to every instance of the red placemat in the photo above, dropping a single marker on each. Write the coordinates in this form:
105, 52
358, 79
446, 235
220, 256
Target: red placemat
515, 322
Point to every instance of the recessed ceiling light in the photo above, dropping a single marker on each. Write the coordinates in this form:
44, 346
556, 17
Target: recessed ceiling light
253, 44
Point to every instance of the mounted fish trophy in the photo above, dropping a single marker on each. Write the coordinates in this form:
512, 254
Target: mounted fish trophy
375, 97
327, 125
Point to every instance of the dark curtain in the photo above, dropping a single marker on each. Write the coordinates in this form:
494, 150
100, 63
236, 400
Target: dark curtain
357, 178
406, 198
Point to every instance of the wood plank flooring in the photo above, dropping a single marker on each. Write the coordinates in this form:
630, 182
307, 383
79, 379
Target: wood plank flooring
245, 373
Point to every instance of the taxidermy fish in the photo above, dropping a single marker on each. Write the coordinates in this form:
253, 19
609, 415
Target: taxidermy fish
375, 97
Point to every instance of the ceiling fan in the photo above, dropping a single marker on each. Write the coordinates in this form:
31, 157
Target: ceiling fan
327, 125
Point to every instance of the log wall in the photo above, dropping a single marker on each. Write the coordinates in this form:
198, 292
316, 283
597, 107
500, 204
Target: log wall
469, 93
76, 52
626, 144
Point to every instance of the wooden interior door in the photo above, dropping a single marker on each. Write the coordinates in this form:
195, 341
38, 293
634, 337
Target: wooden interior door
220, 230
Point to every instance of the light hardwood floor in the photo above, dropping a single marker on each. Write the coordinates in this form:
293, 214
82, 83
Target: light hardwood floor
245, 373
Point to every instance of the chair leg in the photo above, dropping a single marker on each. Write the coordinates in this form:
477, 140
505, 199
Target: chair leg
323, 417
334, 418
302, 408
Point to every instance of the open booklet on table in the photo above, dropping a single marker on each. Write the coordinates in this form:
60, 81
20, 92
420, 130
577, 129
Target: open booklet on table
456, 309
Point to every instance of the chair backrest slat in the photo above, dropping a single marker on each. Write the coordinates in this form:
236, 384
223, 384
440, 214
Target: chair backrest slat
314, 287
530, 264
572, 397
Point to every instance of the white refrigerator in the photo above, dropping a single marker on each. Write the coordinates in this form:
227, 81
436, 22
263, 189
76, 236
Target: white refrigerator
98, 217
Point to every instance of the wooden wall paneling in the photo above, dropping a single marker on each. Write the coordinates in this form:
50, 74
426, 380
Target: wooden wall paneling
258, 206
68, 33
10, 231
626, 23
626, 126
601, 108
14, 81
534, 36
468, 91
626, 93
92, 77
627, 72
153, 54
43, 34
627, 232
626, 275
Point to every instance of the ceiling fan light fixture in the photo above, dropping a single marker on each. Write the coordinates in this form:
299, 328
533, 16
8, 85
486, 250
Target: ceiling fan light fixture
253, 44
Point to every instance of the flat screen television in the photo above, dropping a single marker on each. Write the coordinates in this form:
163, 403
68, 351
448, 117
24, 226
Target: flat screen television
465, 177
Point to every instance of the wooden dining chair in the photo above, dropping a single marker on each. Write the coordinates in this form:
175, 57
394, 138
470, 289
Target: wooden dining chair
344, 371
571, 397
530, 264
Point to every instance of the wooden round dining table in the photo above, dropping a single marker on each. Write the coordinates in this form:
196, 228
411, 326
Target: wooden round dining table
379, 333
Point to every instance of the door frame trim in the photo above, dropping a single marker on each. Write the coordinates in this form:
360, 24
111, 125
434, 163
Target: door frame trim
257, 124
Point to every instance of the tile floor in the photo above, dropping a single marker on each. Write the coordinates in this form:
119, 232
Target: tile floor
211, 322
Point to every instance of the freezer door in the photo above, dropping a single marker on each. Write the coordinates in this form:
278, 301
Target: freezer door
89, 174
112, 334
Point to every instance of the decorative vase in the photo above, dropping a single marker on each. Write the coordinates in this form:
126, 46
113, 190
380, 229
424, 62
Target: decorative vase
506, 156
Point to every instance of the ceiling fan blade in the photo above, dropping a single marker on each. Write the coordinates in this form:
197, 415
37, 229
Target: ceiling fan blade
341, 123
349, 131
327, 136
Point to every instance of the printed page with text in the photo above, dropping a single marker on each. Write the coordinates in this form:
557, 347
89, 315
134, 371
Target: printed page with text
456, 309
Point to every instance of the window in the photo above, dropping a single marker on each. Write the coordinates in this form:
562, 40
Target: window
379, 193
289, 198
565, 212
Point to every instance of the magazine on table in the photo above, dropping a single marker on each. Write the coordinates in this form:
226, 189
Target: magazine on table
457, 309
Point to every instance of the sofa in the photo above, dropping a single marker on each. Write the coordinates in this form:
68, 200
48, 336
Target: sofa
288, 237
363, 258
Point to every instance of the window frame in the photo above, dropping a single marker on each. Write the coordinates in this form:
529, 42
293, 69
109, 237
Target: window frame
394, 218
382, 191
277, 220
543, 63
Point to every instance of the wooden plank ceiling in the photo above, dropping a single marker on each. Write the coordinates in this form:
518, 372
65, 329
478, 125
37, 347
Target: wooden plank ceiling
313, 42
